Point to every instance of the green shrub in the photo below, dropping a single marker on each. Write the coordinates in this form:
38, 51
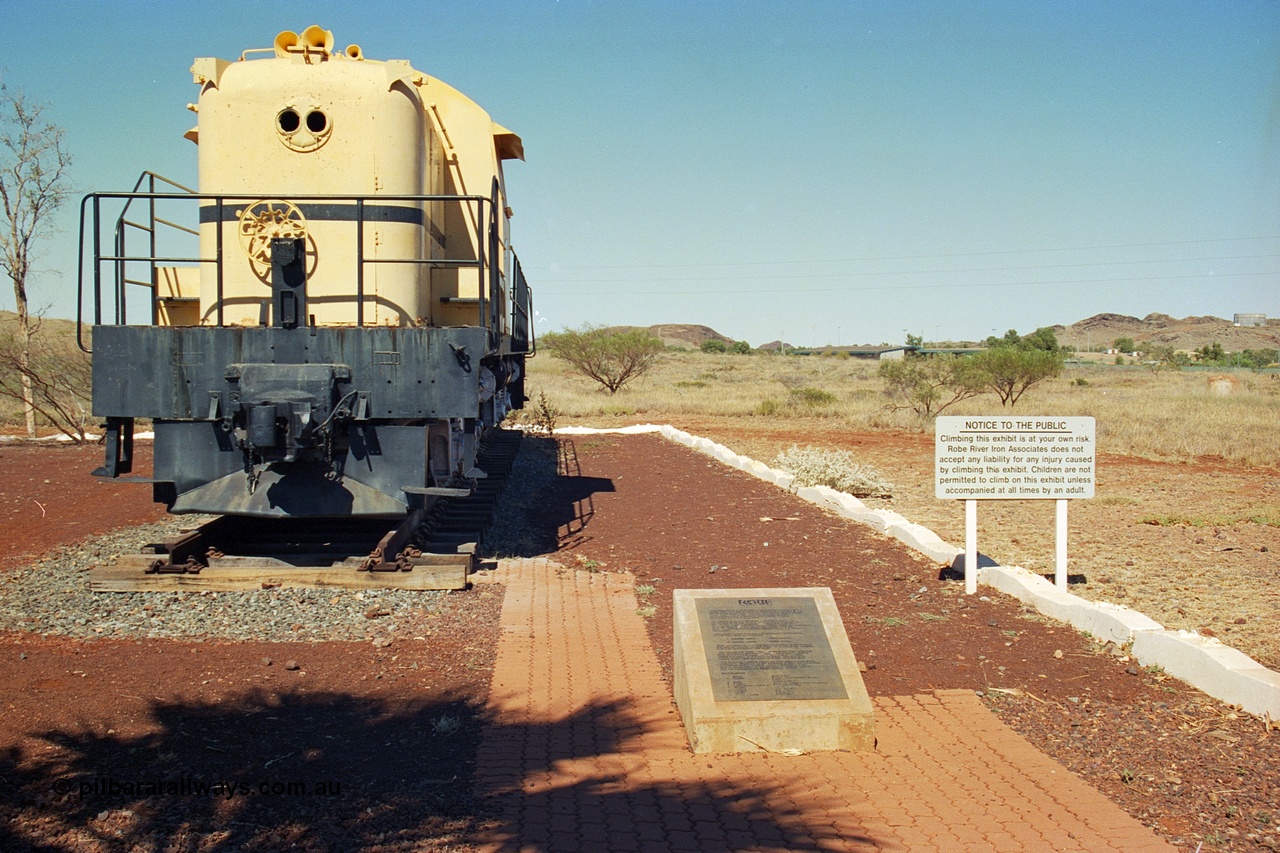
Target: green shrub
1010, 371
929, 386
713, 345
1211, 354
812, 397
611, 358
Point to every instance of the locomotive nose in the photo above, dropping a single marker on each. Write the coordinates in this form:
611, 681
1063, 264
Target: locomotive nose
303, 128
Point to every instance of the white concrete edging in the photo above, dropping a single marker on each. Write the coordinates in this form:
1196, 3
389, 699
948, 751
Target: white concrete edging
1099, 618
1221, 671
60, 438
1203, 662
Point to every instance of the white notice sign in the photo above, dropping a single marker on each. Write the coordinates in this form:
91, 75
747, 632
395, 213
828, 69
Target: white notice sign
1002, 458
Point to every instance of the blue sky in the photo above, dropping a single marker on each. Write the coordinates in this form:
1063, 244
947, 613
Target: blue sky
823, 172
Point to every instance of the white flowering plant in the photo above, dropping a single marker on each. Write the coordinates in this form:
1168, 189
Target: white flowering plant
814, 466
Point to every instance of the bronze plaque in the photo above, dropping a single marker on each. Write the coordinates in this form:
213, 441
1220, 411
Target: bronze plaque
762, 649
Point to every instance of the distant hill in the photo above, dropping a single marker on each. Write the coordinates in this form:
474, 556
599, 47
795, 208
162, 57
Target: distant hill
48, 324
684, 335
1098, 331
50, 327
1189, 333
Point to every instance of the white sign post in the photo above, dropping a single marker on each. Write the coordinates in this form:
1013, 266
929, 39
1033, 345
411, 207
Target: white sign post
1008, 458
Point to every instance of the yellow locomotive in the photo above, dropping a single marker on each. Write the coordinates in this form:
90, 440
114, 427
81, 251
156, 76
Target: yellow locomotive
332, 320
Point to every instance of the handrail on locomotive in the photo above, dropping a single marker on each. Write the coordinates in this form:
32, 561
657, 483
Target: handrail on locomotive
523, 332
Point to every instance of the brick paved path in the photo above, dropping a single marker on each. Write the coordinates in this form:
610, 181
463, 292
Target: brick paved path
586, 752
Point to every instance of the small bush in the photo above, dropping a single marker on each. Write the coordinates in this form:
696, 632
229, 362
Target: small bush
837, 469
446, 725
544, 415
812, 397
713, 345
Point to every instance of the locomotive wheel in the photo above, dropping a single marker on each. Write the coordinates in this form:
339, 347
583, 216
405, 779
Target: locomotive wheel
265, 220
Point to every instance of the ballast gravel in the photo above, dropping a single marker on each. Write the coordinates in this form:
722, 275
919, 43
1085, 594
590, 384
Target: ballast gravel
53, 597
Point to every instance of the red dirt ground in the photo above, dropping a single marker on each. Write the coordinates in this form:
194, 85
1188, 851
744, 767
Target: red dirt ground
165, 711
48, 498
1195, 769
399, 724
1174, 540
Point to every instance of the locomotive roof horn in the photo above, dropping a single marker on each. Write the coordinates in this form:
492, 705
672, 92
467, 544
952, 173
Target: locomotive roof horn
312, 39
286, 40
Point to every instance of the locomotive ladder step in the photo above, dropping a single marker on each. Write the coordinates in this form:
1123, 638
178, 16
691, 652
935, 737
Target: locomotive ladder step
459, 523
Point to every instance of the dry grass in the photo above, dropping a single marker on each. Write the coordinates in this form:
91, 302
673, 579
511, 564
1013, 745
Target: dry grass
694, 383
1170, 416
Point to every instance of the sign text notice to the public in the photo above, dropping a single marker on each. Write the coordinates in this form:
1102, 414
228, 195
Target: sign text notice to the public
999, 457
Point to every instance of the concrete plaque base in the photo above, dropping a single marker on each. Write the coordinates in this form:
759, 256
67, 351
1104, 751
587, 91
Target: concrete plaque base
767, 669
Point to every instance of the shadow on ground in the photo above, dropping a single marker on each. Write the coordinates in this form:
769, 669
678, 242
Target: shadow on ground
955, 571
547, 503
314, 771
332, 771
556, 807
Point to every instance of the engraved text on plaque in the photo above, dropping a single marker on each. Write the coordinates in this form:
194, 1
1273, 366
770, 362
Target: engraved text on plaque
761, 649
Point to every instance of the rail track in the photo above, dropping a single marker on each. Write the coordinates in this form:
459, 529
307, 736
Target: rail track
432, 548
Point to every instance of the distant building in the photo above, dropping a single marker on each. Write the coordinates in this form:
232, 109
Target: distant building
883, 353
900, 351
1250, 319
951, 350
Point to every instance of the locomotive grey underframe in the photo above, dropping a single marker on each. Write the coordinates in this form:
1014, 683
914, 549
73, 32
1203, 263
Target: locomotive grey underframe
186, 380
